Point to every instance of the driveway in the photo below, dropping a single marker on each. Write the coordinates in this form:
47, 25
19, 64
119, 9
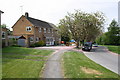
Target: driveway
53, 65
105, 58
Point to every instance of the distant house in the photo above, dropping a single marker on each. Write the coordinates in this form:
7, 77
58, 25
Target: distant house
4, 37
31, 30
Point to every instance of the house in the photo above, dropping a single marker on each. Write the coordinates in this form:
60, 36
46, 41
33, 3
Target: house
30, 30
4, 37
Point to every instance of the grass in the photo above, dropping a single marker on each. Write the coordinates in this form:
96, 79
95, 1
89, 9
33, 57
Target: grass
77, 65
19, 62
115, 49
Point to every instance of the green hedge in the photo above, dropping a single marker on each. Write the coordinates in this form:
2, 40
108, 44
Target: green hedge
38, 44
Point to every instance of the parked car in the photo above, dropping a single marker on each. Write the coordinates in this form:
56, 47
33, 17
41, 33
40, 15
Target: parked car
87, 46
95, 45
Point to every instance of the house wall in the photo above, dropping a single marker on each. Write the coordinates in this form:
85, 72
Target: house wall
57, 37
5, 39
20, 27
44, 36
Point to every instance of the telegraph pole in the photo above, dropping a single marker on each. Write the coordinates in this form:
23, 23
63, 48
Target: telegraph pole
119, 13
0, 16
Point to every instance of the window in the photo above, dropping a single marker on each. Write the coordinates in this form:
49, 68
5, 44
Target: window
31, 39
44, 30
40, 29
48, 30
29, 28
52, 30
37, 39
57, 32
3, 35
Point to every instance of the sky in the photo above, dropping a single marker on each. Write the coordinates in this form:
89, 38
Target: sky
54, 10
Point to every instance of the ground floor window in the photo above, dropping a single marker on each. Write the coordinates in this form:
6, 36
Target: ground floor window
49, 41
37, 39
31, 39
3, 35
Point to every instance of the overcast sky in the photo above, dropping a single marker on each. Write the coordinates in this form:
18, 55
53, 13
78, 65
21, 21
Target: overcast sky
54, 10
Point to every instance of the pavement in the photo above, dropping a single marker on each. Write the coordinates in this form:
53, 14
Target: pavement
53, 65
105, 58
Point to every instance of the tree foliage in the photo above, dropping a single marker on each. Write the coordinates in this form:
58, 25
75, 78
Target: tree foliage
83, 26
8, 30
112, 37
3, 26
65, 34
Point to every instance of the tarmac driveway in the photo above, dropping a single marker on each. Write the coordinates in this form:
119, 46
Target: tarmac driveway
105, 58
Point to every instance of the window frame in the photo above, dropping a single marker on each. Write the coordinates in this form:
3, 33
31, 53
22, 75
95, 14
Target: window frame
40, 29
28, 27
4, 34
49, 30
37, 39
52, 30
45, 30
31, 39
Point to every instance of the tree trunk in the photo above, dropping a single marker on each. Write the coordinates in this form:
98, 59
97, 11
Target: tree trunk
77, 46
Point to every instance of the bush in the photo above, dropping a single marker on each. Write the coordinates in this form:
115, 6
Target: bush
38, 44
16, 45
32, 45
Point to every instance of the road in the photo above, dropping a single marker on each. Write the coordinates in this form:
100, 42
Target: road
105, 58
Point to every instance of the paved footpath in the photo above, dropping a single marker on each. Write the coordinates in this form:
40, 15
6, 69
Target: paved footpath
105, 58
53, 66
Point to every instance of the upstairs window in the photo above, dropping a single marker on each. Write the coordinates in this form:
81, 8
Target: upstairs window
29, 28
52, 30
40, 29
48, 30
44, 30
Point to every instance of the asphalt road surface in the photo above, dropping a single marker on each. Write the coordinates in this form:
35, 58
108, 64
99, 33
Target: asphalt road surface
105, 58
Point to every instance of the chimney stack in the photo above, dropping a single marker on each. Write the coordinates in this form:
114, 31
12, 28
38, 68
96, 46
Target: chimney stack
26, 15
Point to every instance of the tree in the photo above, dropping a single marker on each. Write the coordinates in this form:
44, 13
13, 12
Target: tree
114, 33
83, 26
65, 34
3, 26
8, 30
112, 37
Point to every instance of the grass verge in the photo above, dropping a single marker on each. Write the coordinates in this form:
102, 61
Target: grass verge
77, 65
115, 49
19, 62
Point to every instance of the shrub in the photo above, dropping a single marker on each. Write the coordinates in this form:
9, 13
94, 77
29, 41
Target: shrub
38, 44
16, 45
32, 45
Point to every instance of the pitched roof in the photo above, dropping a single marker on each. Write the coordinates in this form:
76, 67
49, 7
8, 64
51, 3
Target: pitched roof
39, 23
56, 28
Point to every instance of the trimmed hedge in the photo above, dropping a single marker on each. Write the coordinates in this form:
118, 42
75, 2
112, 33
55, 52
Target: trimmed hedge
38, 44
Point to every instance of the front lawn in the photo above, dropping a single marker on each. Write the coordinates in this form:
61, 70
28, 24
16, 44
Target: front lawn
19, 62
77, 65
115, 49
